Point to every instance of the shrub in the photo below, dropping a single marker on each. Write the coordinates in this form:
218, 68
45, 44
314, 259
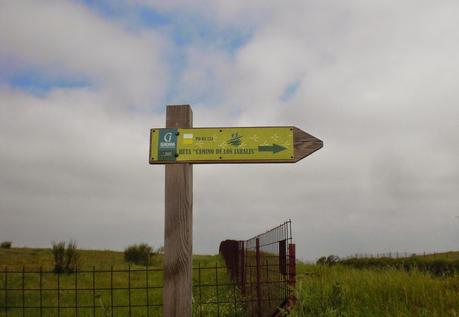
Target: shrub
72, 257
322, 260
59, 254
138, 253
329, 260
332, 259
6, 244
66, 257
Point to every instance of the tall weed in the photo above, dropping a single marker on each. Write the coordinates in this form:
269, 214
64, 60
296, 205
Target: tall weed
66, 256
339, 291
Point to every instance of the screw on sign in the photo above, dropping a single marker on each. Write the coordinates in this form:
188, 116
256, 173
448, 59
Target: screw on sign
178, 146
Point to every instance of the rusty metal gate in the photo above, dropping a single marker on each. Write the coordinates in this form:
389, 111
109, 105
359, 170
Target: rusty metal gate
263, 268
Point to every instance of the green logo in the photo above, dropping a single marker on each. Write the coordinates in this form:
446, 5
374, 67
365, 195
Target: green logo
235, 139
167, 144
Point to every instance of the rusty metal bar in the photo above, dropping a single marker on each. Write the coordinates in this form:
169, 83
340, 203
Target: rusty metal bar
263, 292
291, 266
258, 269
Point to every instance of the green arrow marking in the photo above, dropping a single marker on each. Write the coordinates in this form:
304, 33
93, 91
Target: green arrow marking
274, 148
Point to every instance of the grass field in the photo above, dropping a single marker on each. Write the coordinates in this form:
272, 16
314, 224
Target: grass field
34, 258
439, 264
447, 256
95, 287
326, 291
322, 291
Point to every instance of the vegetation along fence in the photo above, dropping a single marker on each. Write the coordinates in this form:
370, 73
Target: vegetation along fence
263, 268
113, 292
256, 281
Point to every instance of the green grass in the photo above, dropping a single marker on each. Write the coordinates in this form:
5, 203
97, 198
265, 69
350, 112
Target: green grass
325, 291
440, 264
32, 260
322, 291
447, 256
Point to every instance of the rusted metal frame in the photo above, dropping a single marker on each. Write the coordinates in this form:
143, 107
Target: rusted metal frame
258, 272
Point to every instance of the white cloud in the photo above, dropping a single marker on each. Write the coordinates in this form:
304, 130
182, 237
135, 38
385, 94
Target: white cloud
376, 81
72, 170
377, 84
64, 39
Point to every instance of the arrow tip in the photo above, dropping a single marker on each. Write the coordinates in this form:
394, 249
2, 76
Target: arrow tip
278, 148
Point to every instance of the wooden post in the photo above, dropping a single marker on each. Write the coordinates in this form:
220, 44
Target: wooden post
177, 296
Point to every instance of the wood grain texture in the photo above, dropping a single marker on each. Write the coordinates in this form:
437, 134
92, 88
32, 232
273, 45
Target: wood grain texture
304, 144
178, 233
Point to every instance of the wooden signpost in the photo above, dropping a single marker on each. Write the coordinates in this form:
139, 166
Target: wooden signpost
231, 145
178, 146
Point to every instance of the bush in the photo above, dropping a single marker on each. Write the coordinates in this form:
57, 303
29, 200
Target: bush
66, 257
6, 245
329, 260
139, 254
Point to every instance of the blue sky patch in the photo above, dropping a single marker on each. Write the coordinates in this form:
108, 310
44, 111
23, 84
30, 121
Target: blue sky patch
138, 16
105, 8
290, 90
182, 28
37, 83
202, 32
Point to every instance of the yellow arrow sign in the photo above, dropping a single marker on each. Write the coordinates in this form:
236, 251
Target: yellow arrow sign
229, 145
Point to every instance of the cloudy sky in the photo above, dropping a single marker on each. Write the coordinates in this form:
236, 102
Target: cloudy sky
83, 81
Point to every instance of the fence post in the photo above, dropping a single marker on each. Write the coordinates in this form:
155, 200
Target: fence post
6, 291
129, 290
148, 297
23, 293
268, 281
199, 289
58, 294
93, 291
291, 271
216, 282
242, 263
257, 255
40, 292
76, 292
111, 290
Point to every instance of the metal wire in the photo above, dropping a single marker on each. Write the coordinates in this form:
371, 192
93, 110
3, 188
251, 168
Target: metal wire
41, 293
263, 267
256, 280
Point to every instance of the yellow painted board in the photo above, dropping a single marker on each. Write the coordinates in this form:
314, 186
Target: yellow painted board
226, 144
154, 136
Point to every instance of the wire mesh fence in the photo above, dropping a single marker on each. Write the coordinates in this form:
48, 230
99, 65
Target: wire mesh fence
113, 292
264, 269
256, 280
